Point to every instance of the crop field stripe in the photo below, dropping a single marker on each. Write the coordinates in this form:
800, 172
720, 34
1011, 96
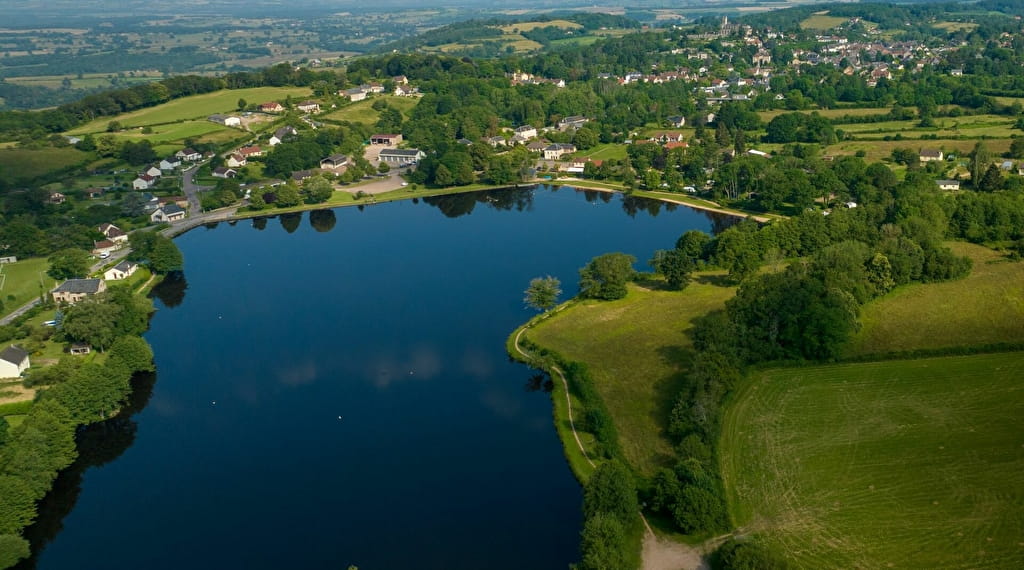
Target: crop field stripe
914, 463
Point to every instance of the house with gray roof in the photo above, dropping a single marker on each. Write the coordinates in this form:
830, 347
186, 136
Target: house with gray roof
13, 361
168, 213
74, 290
401, 155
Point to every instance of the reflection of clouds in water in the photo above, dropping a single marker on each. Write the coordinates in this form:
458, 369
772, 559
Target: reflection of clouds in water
476, 363
423, 363
299, 374
501, 404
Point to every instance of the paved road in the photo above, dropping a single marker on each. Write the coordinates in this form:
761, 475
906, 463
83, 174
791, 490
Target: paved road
191, 189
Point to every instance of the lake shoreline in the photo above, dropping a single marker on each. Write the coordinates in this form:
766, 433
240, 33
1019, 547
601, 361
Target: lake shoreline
232, 213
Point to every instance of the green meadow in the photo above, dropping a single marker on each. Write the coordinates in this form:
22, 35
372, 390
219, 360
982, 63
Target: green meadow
898, 464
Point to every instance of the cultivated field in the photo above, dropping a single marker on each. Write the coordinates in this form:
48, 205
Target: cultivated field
21, 163
637, 351
195, 107
899, 464
986, 307
21, 282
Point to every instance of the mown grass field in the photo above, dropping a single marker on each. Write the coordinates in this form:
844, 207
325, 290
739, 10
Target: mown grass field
363, 111
194, 107
530, 26
177, 132
821, 21
877, 149
604, 152
23, 163
899, 464
973, 126
637, 351
986, 307
767, 116
21, 282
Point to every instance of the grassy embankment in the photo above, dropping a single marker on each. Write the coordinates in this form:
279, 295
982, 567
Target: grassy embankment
27, 164
363, 111
637, 351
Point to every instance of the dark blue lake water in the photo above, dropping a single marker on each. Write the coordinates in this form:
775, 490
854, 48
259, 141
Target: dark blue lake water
332, 388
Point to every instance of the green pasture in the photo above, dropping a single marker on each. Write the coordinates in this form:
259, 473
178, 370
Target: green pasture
972, 126
195, 107
877, 150
986, 307
21, 282
363, 111
637, 350
767, 116
897, 464
178, 132
604, 152
23, 163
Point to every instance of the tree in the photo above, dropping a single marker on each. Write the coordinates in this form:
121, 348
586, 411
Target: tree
543, 292
980, 158
69, 264
1017, 148
991, 181
132, 205
606, 275
443, 177
12, 549
611, 491
92, 321
317, 190
603, 544
383, 168
287, 196
134, 352
694, 243
675, 265
165, 256
242, 104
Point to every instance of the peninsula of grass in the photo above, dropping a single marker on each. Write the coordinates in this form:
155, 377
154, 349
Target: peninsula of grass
914, 463
983, 309
637, 351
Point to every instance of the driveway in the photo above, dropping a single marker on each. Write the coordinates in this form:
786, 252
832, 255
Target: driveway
392, 182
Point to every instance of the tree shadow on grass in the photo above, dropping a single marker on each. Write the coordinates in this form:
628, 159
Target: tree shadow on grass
666, 391
716, 280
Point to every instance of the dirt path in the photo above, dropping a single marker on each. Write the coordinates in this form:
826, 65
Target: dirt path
658, 553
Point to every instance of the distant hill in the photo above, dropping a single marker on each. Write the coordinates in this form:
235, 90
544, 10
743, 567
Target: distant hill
494, 37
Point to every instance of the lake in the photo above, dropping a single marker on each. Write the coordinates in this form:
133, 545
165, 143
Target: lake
332, 388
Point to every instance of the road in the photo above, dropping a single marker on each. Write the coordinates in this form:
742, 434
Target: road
191, 189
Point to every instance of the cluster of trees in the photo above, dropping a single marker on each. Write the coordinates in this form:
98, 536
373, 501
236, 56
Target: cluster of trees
800, 127
102, 319
156, 251
44, 444
611, 519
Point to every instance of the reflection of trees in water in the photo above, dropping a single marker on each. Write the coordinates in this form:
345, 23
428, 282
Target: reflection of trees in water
721, 222
260, 223
633, 204
290, 222
98, 444
455, 205
211, 225
322, 221
539, 383
171, 291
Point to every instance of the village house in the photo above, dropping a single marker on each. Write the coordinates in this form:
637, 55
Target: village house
13, 361
226, 120
79, 348
406, 91
930, 155
354, 94
400, 80
334, 162
283, 134
170, 163
149, 201
144, 182
537, 146
555, 151
104, 246
122, 270
949, 184
74, 290
676, 144
573, 122
272, 107
386, 139
153, 171
224, 172
667, 137
94, 192
113, 233
373, 87
56, 198
526, 132
300, 175
168, 213
235, 160
496, 141
677, 121
188, 154
250, 151
308, 107
401, 156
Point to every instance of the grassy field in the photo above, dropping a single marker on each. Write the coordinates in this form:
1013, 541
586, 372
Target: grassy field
878, 150
530, 26
974, 126
19, 163
21, 281
637, 351
87, 81
821, 21
604, 152
827, 113
177, 132
363, 111
899, 464
195, 107
955, 26
985, 307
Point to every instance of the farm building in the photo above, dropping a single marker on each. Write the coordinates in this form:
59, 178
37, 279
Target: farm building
401, 155
13, 361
